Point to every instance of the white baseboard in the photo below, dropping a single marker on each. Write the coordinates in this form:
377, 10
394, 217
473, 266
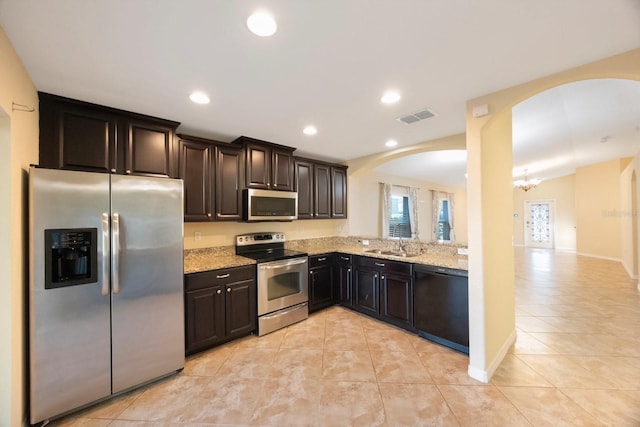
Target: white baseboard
567, 250
485, 376
599, 257
629, 270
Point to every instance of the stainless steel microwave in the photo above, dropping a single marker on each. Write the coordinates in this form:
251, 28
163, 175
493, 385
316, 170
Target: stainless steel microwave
270, 205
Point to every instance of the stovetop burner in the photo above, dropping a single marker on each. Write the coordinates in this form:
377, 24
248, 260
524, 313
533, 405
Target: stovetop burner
264, 247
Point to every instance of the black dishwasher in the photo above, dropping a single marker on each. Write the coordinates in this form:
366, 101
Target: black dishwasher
441, 306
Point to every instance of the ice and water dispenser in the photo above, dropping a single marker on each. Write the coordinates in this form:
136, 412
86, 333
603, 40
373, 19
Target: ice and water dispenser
71, 257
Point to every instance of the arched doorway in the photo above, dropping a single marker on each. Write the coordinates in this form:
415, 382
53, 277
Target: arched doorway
490, 206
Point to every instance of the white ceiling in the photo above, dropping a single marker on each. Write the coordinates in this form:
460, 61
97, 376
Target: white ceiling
327, 65
554, 132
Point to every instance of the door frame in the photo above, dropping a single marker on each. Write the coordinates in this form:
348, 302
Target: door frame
552, 223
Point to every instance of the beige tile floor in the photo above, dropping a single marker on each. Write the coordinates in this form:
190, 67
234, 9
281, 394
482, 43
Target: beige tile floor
576, 362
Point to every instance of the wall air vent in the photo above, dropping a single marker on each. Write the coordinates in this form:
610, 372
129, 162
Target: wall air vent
417, 116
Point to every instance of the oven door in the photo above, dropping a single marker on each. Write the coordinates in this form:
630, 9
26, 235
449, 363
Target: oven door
282, 284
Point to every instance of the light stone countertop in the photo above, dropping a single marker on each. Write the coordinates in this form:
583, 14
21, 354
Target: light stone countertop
459, 262
197, 260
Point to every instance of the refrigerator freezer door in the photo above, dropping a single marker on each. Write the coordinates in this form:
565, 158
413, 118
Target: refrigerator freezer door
69, 327
148, 307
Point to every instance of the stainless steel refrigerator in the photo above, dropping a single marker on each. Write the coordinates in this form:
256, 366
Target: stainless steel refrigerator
106, 308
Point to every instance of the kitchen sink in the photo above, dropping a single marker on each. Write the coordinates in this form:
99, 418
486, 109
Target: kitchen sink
391, 253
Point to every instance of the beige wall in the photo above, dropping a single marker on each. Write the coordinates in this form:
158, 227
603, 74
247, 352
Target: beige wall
364, 205
562, 190
598, 203
18, 148
223, 233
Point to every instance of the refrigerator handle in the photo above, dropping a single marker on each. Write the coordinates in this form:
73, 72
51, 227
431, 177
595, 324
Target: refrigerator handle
105, 254
115, 251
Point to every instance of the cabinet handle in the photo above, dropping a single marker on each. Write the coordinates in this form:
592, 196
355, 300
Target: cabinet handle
322, 259
228, 290
128, 171
382, 277
113, 170
222, 276
345, 258
379, 264
348, 270
311, 273
209, 214
218, 292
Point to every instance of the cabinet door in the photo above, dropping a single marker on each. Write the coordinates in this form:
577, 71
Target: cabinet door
258, 164
195, 170
396, 299
322, 190
338, 192
320, 285
205, 318
228, 172
148, 149
281, 170
344, 280
304, 187
78, 139
241, 311
366, 290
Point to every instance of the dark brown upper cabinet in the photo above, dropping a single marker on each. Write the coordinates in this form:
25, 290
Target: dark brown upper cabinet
78, 135
228, 174
338, 192
322, 189
267, 166
195, 171
212, 173
304, 187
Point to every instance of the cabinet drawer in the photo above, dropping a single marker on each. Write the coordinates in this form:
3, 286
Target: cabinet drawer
344, 258
385, 265
320, 260
219, 277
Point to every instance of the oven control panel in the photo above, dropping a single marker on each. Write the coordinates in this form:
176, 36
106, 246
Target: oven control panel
259, 238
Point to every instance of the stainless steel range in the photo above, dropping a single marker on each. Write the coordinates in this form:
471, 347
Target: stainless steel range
282, 280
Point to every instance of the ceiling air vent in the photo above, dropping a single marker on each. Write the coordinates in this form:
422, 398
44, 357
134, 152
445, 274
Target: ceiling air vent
416, 117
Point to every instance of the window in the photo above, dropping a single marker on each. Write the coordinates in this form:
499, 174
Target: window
399, 206
442, 216
443, 231
399, 221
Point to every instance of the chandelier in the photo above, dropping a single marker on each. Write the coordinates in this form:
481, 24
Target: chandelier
526, 184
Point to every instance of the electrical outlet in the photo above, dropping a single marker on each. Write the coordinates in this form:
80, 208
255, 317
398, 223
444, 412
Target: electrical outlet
365, 242
197, 235
463, 251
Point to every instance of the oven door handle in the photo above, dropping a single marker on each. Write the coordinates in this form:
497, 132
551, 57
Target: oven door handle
281, 264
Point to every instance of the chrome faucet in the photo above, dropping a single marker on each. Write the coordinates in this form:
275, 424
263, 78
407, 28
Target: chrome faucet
399, 236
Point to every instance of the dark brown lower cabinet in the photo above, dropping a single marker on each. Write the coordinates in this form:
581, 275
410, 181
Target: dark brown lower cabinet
343, 279
396, 299
220, 305
384, 289
320, 282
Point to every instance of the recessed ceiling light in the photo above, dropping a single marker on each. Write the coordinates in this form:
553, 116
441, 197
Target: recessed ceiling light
199, 98
390, 97
262, 24
391, 143
310, 130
